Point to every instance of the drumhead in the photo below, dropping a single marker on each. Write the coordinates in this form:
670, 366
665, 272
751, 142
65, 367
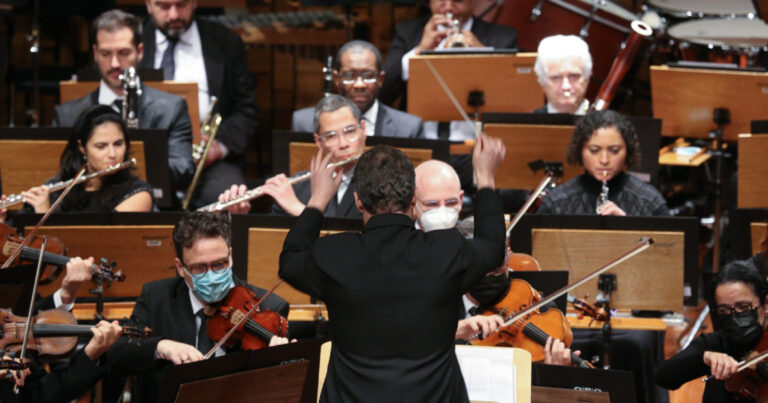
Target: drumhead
723, 32
705, 8
615, 9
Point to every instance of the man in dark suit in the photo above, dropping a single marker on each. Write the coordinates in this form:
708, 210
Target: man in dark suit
213, 56
358, 75
339, 131
117, 45
414, 36
177, 309
392, 280
563, 67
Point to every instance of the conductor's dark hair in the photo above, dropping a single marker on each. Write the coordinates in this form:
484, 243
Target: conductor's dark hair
589, 124
114, 20
384, 180
72, 160
357, 46
197, 225
742, 271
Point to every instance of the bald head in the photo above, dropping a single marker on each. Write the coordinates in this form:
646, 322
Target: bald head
437, 185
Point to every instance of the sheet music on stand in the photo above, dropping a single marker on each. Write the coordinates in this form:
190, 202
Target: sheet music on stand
495, 374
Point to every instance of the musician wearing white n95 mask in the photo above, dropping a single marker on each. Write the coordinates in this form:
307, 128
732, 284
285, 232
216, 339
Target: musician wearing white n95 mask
438, 196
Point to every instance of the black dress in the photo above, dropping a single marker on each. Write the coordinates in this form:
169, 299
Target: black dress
88, 201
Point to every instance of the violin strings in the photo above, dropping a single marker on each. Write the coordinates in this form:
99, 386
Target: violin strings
259, 330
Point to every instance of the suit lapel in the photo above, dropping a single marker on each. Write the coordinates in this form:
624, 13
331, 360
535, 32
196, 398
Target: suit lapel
145, 116
214, 68
383, 122
148, 60
480, 29
182, 309
347, 202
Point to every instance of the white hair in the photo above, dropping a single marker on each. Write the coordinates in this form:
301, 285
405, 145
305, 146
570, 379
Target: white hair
559, 48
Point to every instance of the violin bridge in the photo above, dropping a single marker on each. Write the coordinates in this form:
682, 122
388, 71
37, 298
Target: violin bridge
236, 316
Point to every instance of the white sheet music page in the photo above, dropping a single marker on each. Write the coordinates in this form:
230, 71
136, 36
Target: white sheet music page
489, 373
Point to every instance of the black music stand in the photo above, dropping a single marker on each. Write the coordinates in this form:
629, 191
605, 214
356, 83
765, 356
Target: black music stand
155, 150
283, 373
546, 282
16, 288
619, 384
759, 126
648, 133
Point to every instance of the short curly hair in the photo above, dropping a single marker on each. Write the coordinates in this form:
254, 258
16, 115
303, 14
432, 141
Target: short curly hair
198, 224
590, 123
384, 180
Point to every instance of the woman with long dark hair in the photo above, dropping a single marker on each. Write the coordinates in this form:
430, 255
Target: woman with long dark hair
99, 140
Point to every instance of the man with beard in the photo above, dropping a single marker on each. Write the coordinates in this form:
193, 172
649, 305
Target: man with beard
116, 37
358, 76
213, 56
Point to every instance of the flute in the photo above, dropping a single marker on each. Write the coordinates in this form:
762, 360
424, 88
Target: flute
256, 192
15, 199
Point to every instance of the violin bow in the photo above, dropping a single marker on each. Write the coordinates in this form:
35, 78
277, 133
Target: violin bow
47, 214
644, 244
28, 324
240, 322
744, 364
542, 185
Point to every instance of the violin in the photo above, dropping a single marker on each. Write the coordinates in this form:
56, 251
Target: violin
257, 331
54, 332
751, 382
53, 256
523, 262
530, 332
584, 308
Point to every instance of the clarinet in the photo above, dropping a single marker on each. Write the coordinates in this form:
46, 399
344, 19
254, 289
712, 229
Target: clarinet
603, 198
328, 77
131, 90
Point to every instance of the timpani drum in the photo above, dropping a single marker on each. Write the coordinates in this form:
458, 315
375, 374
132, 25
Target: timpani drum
724, 40
681, 9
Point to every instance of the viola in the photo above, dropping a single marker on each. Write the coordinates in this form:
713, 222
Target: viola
752, 382
523, 262
54, 332
257, 330
10, 242
530, 332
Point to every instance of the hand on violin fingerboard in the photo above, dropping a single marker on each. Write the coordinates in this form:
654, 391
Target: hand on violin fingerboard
79, 272
555, 353
485, 324
721, 365
105, 334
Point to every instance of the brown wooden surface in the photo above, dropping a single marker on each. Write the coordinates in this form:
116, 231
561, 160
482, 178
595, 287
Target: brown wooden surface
282, 383
526, 143
753, 171
200, 3
292, 36
543, 394
28, 163
685, 98
758, 231
143, 253
619, 323
300, 155
69, 90
670, 158
508, 81
652, 280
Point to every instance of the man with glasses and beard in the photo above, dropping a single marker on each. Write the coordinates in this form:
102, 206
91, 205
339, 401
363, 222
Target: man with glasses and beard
358, 75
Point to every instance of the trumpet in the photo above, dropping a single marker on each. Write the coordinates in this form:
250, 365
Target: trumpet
257, 192
205, 130
212, 129
457, 39
15, 199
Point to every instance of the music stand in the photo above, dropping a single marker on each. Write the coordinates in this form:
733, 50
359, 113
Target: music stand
674, 229
16, 288
285, 144
274, 374
748, 229
619, 384
752, 192
481, 82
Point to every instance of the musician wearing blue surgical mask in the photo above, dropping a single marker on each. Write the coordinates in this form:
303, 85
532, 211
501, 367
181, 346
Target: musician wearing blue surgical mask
438, 196
177, 309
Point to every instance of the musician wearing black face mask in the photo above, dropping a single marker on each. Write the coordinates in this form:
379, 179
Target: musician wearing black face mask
741, 304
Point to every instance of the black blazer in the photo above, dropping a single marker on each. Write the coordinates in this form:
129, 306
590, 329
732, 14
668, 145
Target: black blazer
228, 79
345, 209
408, 35
164, 306
392, 293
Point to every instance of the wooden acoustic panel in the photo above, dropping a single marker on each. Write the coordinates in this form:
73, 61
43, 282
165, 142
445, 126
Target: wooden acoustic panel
143, 253
759, 231
264, 247
28, 163
658, 270
527, 143
753, 171
69, 90
685, 98
300, 155
507, 81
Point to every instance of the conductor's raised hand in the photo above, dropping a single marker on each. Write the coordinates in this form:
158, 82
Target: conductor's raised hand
323, 182
486, 157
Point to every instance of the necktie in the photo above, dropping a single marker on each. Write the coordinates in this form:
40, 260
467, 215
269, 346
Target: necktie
118, 105
472, 311
204, 343
168, 64
443, 130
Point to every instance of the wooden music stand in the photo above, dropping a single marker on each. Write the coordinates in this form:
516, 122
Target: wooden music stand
752, 189
477, 362
502, 77
69, 90
759, 232
685, 98
748, 227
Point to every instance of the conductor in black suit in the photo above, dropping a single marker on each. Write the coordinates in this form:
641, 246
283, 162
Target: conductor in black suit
427, 33
339, 131
177, 309
116, 37
194, 49
392, 291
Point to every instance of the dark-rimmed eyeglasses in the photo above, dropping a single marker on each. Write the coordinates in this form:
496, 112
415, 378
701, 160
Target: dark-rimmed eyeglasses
202, 268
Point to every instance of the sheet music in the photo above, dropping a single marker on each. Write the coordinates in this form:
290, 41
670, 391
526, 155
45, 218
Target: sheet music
489, 373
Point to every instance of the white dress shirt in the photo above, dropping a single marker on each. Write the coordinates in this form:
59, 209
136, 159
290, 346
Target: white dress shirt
346, 179
467, 306
370, 118
107, 96
582, 110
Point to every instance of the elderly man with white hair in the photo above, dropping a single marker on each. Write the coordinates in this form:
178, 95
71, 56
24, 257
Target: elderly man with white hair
564, 67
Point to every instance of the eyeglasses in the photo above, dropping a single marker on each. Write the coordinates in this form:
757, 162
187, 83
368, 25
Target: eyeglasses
432, 204
201, 268
350, 77
558, 78
332, 137
740, 307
